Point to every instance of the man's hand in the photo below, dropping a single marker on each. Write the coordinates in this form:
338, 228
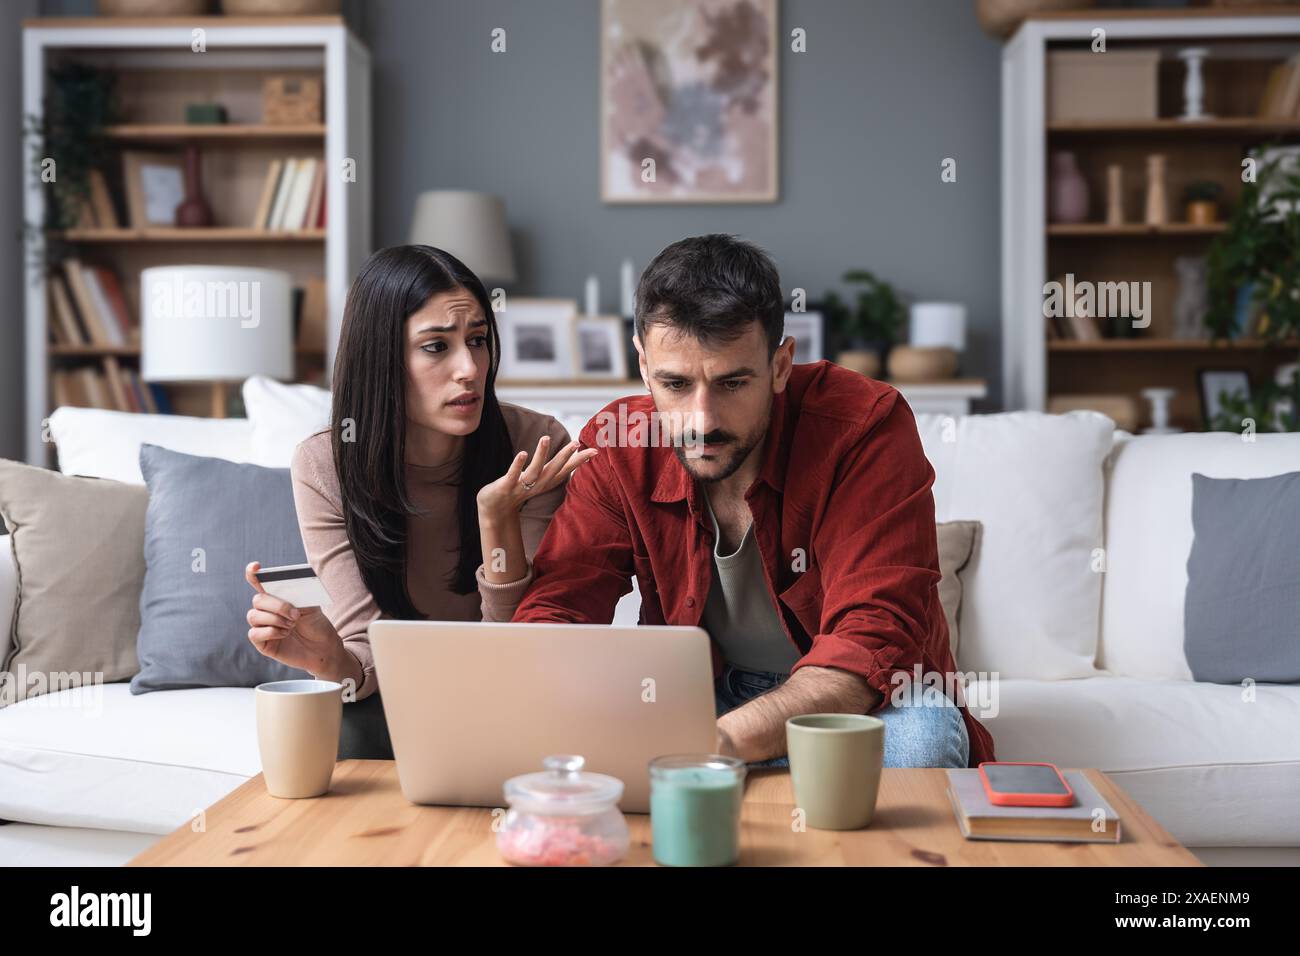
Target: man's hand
756, 730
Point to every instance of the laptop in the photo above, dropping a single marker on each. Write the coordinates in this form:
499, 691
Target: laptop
470, 705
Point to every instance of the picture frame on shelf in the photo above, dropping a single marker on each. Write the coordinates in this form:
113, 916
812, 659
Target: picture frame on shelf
808, 329
537, 340
600, 354
1214, 383
155, 186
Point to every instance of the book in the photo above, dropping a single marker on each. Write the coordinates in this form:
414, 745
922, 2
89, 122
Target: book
1268, 101
86, 307
295, 213
62, 319
102, 202
981, 820
61, 391
116, 303
112, 328
282, 190
115, 386
317, 190
1287, 94
268, 194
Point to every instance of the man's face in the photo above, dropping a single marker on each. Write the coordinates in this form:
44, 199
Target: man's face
723, 391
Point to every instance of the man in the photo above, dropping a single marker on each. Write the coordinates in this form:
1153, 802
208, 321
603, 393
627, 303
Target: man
798, 530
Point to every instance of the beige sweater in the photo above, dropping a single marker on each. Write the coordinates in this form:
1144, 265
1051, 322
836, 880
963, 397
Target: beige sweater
433, 541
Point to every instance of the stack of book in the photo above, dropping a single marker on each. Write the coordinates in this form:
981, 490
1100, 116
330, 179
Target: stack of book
1090, 820
1281, 99
293, 195
1085, 328
107, 385
89, 308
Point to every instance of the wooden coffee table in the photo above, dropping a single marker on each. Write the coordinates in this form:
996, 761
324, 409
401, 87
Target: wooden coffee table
365, 821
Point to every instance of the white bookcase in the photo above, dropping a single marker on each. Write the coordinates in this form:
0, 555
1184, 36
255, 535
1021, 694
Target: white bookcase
156, 53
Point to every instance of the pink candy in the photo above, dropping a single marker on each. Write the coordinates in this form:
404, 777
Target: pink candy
555, 841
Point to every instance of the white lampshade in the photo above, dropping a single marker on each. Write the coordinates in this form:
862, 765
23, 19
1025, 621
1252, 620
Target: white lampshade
937, 325
215, 323
471, 226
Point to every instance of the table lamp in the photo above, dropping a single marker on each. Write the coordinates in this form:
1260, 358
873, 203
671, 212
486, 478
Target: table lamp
215, 324
471, 226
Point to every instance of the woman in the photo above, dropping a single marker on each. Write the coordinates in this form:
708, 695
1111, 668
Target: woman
414, 482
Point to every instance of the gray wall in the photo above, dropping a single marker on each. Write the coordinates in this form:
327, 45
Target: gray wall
886, 90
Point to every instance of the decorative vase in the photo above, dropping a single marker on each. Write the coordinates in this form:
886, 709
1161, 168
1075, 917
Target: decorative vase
1114, 195
909, 363
1157, 206
1193, 85
863, 361
1069, 190
1193, 300
1202, 212
193, 212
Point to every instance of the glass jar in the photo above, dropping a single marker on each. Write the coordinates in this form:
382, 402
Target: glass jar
563, 817
695, 802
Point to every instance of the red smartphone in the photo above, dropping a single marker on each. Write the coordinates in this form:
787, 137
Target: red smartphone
1025, 785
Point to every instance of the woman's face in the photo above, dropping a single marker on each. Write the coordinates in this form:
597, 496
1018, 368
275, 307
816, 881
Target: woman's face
447, 362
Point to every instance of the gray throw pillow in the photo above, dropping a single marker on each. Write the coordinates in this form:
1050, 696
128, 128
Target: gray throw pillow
1242, 606
207, 518
958, 541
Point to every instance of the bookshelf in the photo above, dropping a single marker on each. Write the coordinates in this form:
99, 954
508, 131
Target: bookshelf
1245, 44
158, 73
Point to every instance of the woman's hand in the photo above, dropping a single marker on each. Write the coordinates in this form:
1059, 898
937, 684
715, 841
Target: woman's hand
526, 479
300, 637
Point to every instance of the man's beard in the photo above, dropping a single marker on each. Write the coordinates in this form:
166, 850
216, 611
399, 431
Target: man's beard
738, 453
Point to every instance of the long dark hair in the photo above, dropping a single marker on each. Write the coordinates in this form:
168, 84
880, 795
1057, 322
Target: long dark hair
368, 420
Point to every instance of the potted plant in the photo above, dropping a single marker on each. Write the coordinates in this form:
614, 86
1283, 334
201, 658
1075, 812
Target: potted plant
1254, 266
866, 331
1201, 199
82, 101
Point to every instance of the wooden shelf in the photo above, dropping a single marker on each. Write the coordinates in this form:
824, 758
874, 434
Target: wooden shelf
133, 351
1166, 345
211, 234
211, 132
207, 22
1174, 14
1086, 229
1231, 127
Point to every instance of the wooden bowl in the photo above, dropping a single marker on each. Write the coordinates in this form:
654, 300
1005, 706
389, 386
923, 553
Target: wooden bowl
280, 8
152, 8
909, 363
1001, 17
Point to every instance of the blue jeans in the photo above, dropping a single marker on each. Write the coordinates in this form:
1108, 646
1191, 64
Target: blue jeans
923, 730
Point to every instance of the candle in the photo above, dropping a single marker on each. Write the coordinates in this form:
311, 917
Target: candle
593, 295
695, 810
627, 279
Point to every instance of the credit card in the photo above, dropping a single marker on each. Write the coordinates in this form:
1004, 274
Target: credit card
295, 583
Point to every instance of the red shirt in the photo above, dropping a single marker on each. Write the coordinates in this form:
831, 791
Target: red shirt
843, 517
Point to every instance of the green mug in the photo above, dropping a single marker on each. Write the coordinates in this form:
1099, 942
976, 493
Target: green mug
835, 764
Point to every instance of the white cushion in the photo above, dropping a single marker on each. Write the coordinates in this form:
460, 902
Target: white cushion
282, 416
1030, 597
1211, 768
100, 757
101, 444
1149, 537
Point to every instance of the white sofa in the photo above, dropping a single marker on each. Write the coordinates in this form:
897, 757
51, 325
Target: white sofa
1071, 628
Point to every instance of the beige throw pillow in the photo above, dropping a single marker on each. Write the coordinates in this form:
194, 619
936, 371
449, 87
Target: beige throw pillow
78, 546
957, 542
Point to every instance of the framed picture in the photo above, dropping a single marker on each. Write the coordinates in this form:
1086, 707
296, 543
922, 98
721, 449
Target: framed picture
599, 349
536, 339
1215, 383
688, 101
806, 328
155, 186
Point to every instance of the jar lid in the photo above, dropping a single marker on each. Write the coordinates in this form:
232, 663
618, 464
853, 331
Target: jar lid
563, 788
